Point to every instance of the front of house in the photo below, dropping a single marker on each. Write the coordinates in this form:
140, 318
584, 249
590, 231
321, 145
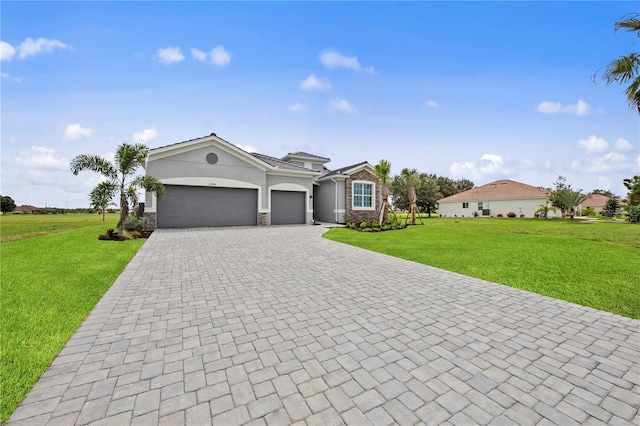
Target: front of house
211, 182
495, 198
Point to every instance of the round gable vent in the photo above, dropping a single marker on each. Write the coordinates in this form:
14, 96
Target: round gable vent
212, 158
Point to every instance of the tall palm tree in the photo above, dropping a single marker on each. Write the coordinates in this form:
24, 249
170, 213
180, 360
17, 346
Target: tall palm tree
626, 69
383, 173
411, 180
121, 175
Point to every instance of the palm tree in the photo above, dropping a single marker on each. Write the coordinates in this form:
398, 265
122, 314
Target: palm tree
101, 197
383, 173
626, 69
544, 210
411, 180
121, 175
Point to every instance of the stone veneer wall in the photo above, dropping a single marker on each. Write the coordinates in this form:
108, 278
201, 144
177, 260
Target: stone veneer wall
262, 219
151, 225
355, 215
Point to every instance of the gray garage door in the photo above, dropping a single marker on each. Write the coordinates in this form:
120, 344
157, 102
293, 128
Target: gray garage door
288, 207
187, 206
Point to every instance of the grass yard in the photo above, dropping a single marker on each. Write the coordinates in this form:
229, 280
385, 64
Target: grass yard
15, 227
53, 274
592, 264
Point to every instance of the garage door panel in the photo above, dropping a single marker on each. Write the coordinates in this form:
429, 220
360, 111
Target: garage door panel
288, 208
192, 206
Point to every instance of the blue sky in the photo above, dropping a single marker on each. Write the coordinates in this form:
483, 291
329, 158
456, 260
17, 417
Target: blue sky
477, 90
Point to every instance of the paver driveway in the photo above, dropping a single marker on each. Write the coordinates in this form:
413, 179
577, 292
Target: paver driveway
278, 325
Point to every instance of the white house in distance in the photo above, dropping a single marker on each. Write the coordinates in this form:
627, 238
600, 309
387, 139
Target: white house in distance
499, 197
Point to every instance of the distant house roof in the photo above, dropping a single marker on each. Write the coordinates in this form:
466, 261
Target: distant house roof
595, 200
343, 170
499, 190
299, 155
26, 208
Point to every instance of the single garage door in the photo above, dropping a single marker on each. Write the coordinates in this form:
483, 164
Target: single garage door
189, 206
288, 207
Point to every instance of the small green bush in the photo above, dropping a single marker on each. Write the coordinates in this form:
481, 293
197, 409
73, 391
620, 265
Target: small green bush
633, 214
135, 223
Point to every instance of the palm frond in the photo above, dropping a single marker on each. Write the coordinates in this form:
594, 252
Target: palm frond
94, 163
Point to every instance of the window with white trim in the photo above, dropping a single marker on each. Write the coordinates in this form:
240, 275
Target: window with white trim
479, 205
363, 195
465, 205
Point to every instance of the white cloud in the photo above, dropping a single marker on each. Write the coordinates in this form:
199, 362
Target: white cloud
334, 59
580, 108
4, 75
298, 107
146, 135
75, 131
169, 55
593, 144
31, 47
220, 57
247, 148
342, 105
610, 162
314, 83
432, 104
488, 165
6, 51
199, 54
623, 145
41, 157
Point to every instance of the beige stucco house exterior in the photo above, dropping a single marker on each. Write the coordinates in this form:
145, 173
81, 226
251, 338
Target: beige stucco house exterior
499, 197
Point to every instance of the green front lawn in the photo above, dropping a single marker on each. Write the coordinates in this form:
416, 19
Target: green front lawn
50, 283
592, 264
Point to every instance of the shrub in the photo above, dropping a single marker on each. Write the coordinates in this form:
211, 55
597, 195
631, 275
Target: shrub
475, 213
135, 223
633, 214
522, 215
511, 214
499, 215
589, 211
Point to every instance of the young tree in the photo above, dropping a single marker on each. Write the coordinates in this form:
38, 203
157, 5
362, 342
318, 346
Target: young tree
411, 180
565, 198
7, 204
612, 207
544, 209
101, 197
383, 173
625, 69
122, 175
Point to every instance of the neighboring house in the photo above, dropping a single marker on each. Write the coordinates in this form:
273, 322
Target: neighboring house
499, 197
596, 201
211, 182
26, 209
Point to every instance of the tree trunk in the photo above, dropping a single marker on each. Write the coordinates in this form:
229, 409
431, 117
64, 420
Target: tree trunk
124, 212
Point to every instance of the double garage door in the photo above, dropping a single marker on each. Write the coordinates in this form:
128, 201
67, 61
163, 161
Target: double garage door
192, 206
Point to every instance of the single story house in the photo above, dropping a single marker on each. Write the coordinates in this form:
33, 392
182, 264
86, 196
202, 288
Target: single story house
499, 197
211, 182
597, 201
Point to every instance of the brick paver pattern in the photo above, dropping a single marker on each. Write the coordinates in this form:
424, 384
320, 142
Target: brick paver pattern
276, 325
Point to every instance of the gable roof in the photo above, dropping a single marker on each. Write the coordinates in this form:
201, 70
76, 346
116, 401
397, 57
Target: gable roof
344, 170
499, 190
595, 200
264, 162
305, 156
279, 164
